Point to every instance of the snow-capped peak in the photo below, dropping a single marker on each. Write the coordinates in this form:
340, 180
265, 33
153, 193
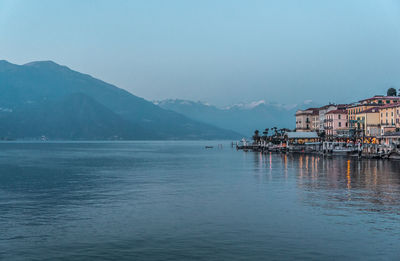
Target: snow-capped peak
250, 105
180, 101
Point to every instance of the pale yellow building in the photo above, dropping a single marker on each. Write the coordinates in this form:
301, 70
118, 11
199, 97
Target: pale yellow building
389, 118
355, 109
369, 122
366, 104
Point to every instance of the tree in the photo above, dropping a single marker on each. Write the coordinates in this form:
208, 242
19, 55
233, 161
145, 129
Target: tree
256, 136
265, 134
275, 131
391, 92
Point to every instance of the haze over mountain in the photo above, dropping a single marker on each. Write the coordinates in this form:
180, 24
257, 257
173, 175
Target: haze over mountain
243, 118
44, 98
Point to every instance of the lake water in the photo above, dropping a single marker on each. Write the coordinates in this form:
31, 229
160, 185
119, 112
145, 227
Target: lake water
180, 201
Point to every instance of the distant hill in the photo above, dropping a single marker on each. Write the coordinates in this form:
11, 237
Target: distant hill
44, 98
243, 118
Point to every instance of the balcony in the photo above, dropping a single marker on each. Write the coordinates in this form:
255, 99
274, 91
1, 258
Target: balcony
387, 125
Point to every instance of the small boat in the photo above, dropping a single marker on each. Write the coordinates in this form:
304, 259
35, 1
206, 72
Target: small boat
209, 147
342, 151
340, 148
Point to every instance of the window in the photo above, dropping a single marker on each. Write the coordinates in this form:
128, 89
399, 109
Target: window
392, 113
339, 116
340, 124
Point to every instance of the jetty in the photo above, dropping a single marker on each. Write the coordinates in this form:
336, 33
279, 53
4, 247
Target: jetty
311, 143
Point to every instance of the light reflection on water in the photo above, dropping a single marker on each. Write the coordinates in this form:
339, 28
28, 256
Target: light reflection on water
178, 201
361, 185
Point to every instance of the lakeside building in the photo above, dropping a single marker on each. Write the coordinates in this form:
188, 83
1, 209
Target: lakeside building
368, 121
375, 117
389, 118
355, 109
335, 120
301, 137
307, 120
314, 119
381, 100
391, 138
322, 115
366, 104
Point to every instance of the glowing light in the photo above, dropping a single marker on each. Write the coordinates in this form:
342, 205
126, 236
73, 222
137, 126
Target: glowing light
348, 175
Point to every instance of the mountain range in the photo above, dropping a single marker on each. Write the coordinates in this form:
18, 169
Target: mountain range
47, 99
243, 118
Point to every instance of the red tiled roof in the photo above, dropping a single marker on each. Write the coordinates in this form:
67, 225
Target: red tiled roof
314, 111
342, 105
371, 110
382, 98
390, 105
337, 112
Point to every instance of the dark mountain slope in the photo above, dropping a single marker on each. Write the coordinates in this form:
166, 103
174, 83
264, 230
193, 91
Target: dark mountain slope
37, 85
75, 117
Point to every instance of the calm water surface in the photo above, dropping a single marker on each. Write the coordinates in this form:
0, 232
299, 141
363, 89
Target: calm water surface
179, 201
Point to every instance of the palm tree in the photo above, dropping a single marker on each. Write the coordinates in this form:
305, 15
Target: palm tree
265, 132
256, 136
275, 131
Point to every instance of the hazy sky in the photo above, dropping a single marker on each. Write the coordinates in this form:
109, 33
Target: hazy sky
220, 51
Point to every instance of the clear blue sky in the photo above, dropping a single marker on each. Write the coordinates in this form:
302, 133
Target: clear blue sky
220, 51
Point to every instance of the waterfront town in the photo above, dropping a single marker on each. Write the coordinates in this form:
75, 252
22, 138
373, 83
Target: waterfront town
368, 128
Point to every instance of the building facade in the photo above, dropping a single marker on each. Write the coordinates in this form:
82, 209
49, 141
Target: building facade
355, 109
322, 113
368, 122
307, 120
373, 117
366, 104
389, 118
335, 120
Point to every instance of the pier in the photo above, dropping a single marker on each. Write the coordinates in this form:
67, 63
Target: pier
326, 148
